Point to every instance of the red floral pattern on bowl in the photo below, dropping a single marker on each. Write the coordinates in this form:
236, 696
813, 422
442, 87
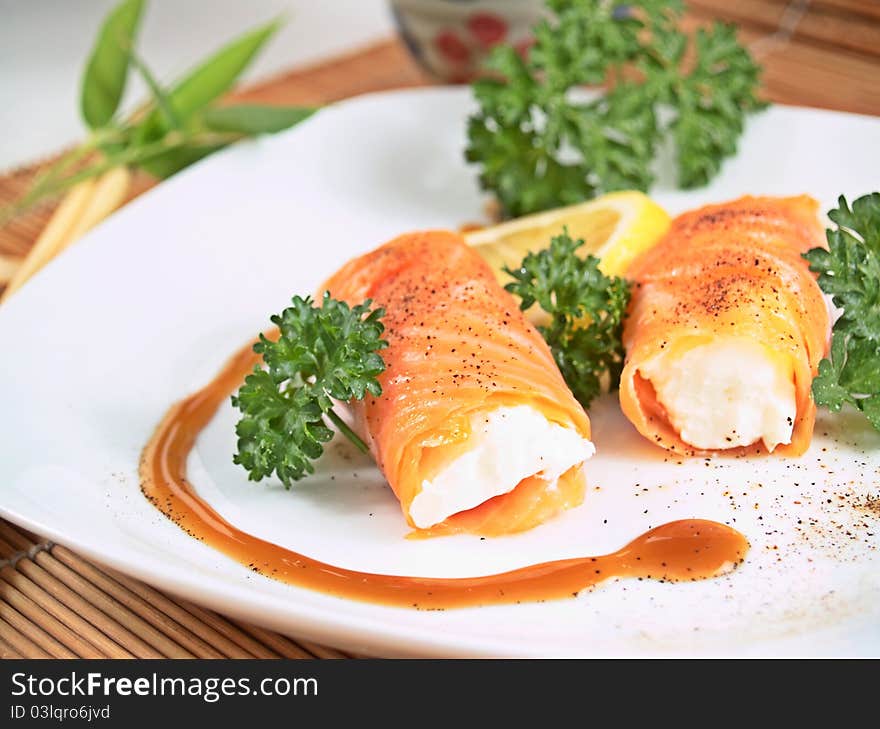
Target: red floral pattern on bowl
451, 38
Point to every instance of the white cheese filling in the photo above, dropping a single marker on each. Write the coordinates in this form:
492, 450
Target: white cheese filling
508, 445
727, 393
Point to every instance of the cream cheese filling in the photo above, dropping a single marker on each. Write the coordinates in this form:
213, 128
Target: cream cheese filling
508, 445
725, 393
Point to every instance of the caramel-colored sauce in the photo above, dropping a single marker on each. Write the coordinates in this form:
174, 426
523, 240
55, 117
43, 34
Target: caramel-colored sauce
690, 549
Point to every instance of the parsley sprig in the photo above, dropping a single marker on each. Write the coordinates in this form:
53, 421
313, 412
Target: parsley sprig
323, 354
539, 146
586, 310
850, 271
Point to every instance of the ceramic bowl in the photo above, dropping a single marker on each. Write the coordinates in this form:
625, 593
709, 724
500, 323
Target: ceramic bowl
451, 38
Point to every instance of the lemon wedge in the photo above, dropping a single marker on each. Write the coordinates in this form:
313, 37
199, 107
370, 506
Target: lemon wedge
616, 228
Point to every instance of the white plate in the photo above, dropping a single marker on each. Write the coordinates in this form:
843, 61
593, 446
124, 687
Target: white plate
147, 308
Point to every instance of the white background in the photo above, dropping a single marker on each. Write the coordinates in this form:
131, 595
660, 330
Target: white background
44, 44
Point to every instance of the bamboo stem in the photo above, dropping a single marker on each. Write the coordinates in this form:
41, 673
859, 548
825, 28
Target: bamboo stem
8, 266
53, 235
87, 204
111, 189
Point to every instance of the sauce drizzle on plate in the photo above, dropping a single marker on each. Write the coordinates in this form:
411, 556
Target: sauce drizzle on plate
689, 549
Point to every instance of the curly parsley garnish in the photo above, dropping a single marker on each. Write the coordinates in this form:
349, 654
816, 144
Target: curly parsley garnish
323, 354
539, 146
850, 271
586, 310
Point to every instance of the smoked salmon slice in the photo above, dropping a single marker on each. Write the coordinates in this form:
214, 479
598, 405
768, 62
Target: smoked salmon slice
475, 429
726, 329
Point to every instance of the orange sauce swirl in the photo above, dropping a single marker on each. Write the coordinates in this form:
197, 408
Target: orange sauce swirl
689, 549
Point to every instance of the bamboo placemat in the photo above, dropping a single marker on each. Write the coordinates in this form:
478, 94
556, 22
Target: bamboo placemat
53, 603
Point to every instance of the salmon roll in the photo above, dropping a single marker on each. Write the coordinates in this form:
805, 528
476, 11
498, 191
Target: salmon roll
475, 429
726, 329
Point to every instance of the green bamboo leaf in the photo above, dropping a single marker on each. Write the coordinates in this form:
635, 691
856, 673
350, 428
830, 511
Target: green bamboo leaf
107, 67
169, 163
253, 119
160, 98
210, 79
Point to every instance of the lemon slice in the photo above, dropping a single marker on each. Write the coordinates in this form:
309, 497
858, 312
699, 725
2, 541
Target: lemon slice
616, 228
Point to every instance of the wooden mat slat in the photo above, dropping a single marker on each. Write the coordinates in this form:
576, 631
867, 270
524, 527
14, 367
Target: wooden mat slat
22, 644
7, 651
13, 540
30, 536
36, 633
817, 26
233, 632
284, 647
176, 633
43, 617
64, 614
227, 647
155, 643
868, 9
320, 651
7, 550
811, 75
60, 591
101, 589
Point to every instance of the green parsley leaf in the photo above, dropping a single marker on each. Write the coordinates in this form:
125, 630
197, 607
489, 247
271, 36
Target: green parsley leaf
711, 102
323, 354
586, 310
850, 272
539, 144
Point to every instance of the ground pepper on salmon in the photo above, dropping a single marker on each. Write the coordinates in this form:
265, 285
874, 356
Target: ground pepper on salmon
726, 329
475, 429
